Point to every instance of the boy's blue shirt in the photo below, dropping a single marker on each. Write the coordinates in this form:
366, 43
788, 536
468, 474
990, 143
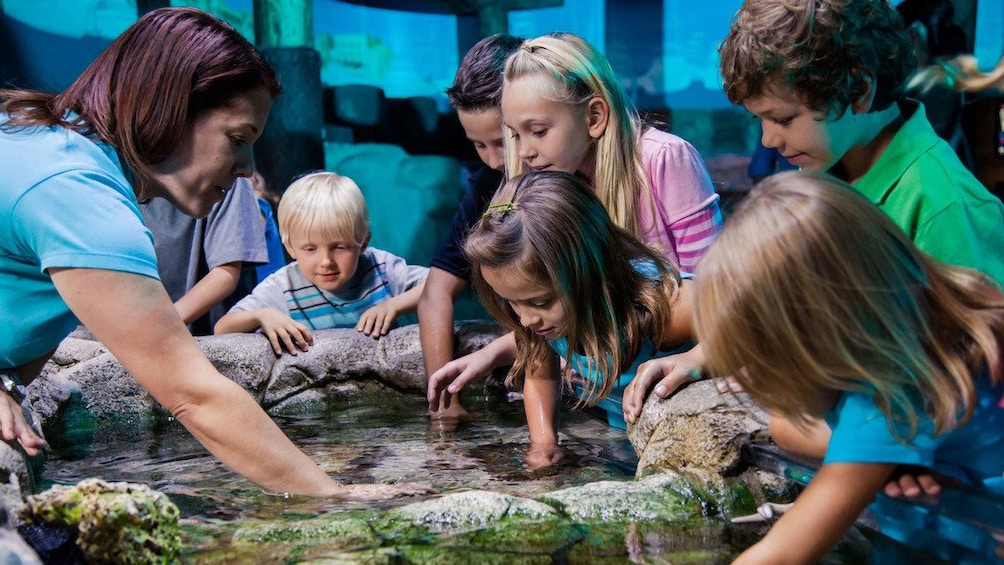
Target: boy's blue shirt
379, 277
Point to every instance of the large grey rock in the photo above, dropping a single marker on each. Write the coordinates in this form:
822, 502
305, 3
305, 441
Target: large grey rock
341, 361
246, 359
697, 431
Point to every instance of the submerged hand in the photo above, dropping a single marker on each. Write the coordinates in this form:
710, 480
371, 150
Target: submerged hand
541, 456
452, 377
377, 491
13, 426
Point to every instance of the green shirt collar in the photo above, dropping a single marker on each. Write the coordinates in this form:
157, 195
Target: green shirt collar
901, 153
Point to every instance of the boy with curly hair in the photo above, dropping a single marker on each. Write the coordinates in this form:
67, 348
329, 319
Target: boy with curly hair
826, 78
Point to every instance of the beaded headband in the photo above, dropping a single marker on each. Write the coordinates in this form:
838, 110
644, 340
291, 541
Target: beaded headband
500, 208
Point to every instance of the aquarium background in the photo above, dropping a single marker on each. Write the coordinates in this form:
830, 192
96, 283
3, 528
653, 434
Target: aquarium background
412, 164
665, 52
405, 53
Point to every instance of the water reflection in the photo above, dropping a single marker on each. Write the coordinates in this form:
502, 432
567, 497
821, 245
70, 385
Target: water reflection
353, 440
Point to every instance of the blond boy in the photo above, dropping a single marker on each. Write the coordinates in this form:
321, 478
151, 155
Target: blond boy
336, 280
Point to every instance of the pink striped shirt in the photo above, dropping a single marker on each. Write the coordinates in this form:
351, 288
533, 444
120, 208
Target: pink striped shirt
687, 217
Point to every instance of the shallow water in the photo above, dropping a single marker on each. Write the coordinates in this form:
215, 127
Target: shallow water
357, 441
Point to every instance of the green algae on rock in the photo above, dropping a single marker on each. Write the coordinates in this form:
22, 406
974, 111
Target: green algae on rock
353, 533
115, 522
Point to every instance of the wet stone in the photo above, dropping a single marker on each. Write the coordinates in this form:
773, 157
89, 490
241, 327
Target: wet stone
648, 499
468, 510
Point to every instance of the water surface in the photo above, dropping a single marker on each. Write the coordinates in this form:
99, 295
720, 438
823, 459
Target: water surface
387, 440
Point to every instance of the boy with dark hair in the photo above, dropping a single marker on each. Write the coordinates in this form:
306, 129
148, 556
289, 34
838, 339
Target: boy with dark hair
476, 94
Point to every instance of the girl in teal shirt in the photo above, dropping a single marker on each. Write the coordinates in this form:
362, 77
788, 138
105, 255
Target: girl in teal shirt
824, 310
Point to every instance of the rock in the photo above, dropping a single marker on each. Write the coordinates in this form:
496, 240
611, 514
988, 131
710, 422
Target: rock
653, 519
246, 359
648, 499
697, 432
106, 387
349, 532
113, 522
16, 482
341, 361
469, 510
15, 551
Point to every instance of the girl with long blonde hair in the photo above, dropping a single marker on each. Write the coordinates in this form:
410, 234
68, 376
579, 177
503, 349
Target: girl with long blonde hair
565, 110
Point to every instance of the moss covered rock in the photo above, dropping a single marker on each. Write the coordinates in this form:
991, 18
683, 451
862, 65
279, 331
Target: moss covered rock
114, 522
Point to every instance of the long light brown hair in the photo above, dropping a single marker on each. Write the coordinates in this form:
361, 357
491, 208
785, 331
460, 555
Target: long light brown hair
143, 91
811, 290
558, 233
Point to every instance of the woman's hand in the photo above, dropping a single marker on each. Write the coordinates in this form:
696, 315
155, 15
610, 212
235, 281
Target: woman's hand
376, 491
666, 375
13, 426
283, 332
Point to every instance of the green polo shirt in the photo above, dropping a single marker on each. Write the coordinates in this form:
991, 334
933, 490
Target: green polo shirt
921, 184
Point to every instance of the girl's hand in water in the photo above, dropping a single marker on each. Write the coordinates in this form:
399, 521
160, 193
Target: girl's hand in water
377, 491
541, 456
665, 375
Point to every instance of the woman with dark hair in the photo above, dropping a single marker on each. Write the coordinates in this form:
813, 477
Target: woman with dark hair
170, 109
